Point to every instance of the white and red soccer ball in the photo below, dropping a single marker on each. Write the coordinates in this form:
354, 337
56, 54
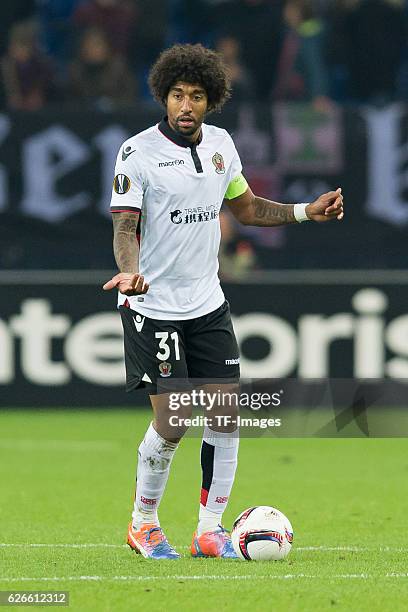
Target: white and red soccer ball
262, 533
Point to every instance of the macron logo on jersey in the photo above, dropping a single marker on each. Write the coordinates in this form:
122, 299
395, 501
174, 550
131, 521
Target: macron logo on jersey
174, 162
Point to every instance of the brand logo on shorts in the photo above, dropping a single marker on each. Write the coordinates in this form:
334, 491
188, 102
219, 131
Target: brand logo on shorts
138, 320
165, 369
232, 361
121, 184
218, 161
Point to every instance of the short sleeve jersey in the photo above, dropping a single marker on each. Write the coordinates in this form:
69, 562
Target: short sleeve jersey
178, 189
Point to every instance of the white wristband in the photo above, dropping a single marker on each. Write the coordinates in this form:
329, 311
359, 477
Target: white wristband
299, 210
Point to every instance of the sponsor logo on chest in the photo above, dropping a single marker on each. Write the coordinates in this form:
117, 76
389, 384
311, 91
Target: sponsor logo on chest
198, 214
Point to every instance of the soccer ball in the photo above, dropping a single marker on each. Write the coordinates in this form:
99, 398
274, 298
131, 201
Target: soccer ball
262, 533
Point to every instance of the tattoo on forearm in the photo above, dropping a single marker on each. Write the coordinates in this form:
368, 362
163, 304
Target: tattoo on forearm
267, 213
125, 245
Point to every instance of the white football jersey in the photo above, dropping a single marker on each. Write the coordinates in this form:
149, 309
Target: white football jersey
178, 189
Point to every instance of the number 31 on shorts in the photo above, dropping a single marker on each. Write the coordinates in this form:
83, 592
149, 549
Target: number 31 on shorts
164, 353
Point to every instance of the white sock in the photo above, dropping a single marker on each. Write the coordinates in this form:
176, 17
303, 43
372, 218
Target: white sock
219, 454
207, 520
154, 458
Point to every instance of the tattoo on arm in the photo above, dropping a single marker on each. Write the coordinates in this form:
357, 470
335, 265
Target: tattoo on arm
125, 245
267, 213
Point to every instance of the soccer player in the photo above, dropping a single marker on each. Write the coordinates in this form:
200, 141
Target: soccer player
171, 181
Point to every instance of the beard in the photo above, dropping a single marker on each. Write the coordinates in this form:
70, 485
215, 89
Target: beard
186, 130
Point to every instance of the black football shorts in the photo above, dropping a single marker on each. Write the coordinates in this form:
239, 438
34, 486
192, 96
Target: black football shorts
156, 349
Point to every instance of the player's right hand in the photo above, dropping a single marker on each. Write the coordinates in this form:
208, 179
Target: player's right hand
127, 283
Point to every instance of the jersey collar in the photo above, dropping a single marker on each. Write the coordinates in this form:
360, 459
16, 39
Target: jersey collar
174, 136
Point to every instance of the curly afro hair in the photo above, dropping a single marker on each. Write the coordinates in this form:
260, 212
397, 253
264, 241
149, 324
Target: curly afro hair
191, 64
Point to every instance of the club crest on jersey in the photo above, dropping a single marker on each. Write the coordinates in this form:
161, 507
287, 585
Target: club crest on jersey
121, 184
165, 369
218, 161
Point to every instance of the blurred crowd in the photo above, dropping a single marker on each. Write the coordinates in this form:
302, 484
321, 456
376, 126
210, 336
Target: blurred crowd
98, 52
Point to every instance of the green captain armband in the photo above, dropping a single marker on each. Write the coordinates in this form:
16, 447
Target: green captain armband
237, 187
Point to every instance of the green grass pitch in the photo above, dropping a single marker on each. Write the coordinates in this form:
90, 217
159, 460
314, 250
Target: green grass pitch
66, 489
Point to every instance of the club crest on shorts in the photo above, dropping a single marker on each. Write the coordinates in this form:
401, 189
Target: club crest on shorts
121, 184
165, 369
218, 161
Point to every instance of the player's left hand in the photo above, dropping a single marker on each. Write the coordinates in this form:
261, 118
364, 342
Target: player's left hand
327, 207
